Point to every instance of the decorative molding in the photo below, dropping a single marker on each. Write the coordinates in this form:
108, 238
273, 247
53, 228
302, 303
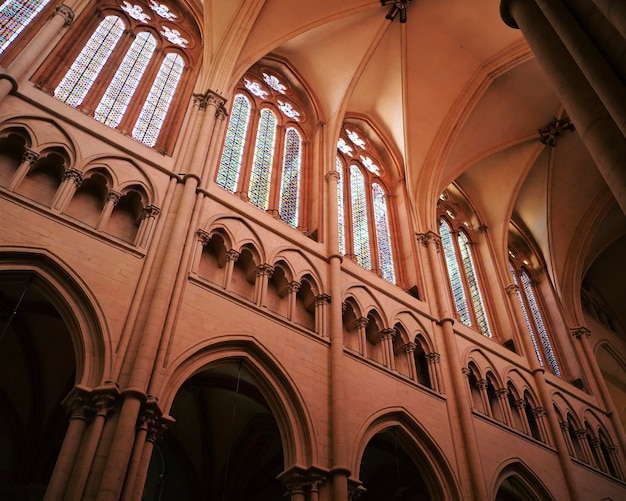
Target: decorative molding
74, 174
114, 196
203, 236
265, 269
429, 238
232, 255
581, 332
322, 299
550, 134
66, 12
332, 175
512, 289
150, 211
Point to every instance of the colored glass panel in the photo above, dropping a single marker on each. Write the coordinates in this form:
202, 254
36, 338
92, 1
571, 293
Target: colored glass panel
290, 184
126, 80
454, 273
341, 207
529, 325
360, 227
383, 234
543, 335
230, 164
159, 99
15, 15
85, 69
263, 158
472, 281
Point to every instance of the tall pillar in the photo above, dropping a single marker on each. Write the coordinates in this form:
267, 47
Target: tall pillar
41, 43
615, 12
600, 134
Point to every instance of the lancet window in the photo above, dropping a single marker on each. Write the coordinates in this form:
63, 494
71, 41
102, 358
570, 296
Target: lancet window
529, 301
265, 148
129, 64
365, 229
15, 16
462, 268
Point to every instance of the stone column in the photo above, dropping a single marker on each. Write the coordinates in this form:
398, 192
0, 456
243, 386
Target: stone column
203, 240
482, 386
293, 288
434, 371
29, 157
460, 408
520, 405
581, 438
361, 326
582, 334
295, 486
387, 336
148, 216
503, 402
40, 44
72, 179
315, 483
616, 460
597, 445
321, 305
103, 402
540, 416
568, 439
231, 258
113, 198
615, 12
409, 349
263, 274
78, 405
603, 139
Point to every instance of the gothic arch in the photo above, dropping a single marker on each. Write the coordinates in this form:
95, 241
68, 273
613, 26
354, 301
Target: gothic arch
422, 448
522, 477
280, 392
77, 306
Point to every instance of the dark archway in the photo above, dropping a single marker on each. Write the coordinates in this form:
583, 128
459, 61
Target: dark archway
388, 472
225, 444
37, 370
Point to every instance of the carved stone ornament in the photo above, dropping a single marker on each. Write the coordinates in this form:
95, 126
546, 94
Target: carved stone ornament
581, 332
30, 156
511, 289
410, 348
150, 211
203, 236
114, 196
433, 358
388, 333
550, 134
66, 12
232, 255
293, 286
333, 175
429, 238
74, 174
265, 269
322, 299
209, 98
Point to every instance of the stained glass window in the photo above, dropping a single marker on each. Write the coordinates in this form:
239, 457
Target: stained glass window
340, 207
15, 15
263, 158
159, 99
360, 225
529, 325
536, 314
121, 89
230, 164
454, 272
83, 73
474, 290
290, 184
383, 234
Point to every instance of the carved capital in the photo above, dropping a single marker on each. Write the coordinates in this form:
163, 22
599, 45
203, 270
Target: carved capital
482, 384
409, 348
467, 372
203, 236
66, 12
209, 98
293, 287
150, 211
295, 483
232, 255
511, 289
264, 270
79, 404
30, 156
520, 404
581, 332
114, 197
322, 299
332, 175
539, 412
595, 442
73, 174
433, 358
388, 334
502, 393
362, 322
429, 238
581, 434
564, 426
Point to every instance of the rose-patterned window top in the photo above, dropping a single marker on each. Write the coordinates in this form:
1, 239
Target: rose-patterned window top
162, 10
136, 12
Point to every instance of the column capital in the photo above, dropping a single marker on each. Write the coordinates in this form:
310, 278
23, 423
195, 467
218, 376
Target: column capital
66, 12
203, 236
596, 442
429, 238
502, 393
388, 333
150, 211
293, 286
29, 156
265, 270
332, 175
78, 403
113, 196
104, 398
482, 384
511, 289
581, 434
410, 347
74, 174
433, 358
466, 371
362, 322
539, 412
209, 98
581, 332
520, 404
295, 481
232, 255
322, 299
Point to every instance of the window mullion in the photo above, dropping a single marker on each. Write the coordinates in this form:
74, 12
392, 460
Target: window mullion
246, 162
466, 287
277, 171
371, 220
141, 93
349, 228
95, 94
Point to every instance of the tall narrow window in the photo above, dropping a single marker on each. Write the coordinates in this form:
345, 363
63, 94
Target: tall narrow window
128, 70
269, 115
364, 224
15, 15
534, 320
462, 271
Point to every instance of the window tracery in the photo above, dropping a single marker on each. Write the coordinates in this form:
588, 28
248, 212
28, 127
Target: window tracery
268, 113
364, 214
128, 66
461, 267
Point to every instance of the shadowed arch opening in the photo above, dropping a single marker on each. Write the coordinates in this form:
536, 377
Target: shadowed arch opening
516, 482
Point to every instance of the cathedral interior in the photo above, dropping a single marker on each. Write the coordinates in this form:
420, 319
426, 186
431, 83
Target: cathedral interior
264, 249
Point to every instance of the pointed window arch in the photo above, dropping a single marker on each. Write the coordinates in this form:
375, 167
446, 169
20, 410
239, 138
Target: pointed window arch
532, 315
265, 146
128, 69
15, 16
365, 222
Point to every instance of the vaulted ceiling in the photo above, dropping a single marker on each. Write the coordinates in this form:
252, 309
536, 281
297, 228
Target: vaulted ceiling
459, 98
